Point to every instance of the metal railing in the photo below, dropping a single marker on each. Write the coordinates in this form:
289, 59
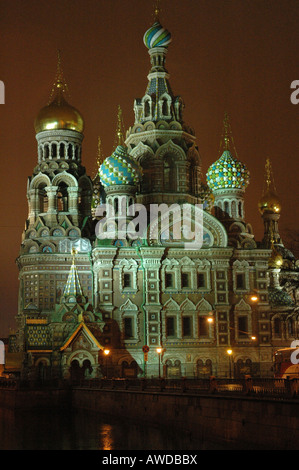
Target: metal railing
253, 387
249, 386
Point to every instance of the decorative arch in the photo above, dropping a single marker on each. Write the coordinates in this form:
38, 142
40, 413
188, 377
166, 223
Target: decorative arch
204, 306
170, 148
171, 305
187, 305
38, 180
66, 178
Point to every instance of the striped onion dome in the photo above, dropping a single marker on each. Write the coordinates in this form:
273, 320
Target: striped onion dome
157, 36
227, 172
120, 168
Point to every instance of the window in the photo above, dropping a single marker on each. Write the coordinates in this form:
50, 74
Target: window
201, 281
277, 327
187, 326
240, 281
127, 280
170, 326
203, 327
242, 327
128, 328
185, 280
168, 280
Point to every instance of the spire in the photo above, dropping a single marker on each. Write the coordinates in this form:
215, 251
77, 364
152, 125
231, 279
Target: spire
157, 10
99, 159
227, 140
269, 178
73, 286
269, 201
119, 135
59, 85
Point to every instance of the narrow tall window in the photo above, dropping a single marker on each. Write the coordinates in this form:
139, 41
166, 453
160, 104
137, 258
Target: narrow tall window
187, 332
201, 281
128, 328
243, 326
203, 327
127, 280
168, 280
170, 326
185, 280
240, 281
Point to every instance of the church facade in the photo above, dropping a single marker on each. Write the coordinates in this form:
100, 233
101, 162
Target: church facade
96, 301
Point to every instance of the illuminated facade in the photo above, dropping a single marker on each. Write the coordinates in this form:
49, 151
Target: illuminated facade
80, 294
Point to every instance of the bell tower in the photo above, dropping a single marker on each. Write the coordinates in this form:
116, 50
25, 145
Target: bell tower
59, 194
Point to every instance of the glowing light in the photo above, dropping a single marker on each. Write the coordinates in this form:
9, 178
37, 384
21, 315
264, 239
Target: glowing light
106, 351
229, 351
210, 319
254, 298
159, 350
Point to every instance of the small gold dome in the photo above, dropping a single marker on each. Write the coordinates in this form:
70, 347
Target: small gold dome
59, 114
275, 260
270, 203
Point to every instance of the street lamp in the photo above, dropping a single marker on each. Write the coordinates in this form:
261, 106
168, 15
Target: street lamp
230, 352
159, 352
106, 352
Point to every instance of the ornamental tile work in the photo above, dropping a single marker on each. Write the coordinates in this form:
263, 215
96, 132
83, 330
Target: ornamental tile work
227, 172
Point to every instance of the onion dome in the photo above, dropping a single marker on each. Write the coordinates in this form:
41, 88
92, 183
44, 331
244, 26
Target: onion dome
227, 172
156, 36
59, 114
269, 202
120, 168
279, 297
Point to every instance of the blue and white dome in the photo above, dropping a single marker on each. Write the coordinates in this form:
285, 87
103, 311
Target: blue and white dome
157, 36
227, 172
120, 168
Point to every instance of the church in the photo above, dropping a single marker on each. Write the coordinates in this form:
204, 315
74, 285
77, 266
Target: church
95, 301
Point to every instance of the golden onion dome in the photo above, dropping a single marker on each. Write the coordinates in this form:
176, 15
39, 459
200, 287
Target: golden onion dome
59, 114
270, 203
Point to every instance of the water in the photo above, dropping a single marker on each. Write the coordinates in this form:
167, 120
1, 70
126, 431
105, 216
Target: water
81, 430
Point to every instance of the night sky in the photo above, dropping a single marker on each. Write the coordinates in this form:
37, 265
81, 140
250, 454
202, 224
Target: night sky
235, 56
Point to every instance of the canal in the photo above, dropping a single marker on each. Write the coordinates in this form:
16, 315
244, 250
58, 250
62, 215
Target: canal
83, 430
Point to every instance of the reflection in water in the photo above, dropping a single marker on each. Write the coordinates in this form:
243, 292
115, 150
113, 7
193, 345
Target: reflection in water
82, 430
106, 432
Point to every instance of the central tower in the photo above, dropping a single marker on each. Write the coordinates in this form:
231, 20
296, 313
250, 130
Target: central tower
159, 139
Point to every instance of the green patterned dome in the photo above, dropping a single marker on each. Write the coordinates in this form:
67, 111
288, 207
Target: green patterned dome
279, 297
120, 168
157, 36
227, 172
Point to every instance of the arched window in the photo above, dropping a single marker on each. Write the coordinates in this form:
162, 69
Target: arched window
70, 151
61, 150
147, 108
54, 150
147, 178
62, 198
169, 174
43, 198
240, 209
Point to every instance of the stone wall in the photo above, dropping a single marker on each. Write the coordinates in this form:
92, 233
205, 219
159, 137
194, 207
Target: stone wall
247, 422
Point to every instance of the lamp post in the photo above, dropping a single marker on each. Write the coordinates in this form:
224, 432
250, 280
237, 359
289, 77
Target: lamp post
230, 352
106, 352
159, 352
